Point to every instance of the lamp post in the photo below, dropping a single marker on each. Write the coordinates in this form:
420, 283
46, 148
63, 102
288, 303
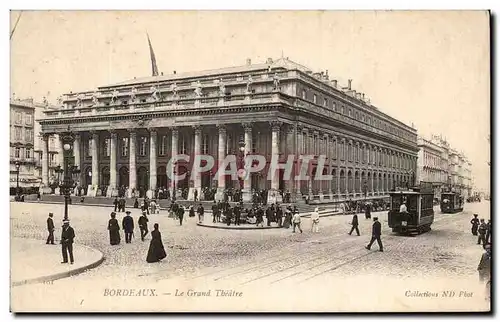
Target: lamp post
241, 169
173, 183
18, 165
69, 169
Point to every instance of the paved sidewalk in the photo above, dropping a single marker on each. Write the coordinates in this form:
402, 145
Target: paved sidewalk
33, 261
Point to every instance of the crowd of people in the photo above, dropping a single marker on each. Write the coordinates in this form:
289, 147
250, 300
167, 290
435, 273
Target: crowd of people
483, 230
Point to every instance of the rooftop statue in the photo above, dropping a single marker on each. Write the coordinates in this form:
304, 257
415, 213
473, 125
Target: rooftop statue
198, 90
155, 93
276, 81
95, 101
222, 88
133, 93
114, 96
174, 89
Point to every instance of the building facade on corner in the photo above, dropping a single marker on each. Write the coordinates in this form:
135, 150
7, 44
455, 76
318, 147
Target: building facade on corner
127, 132
446, 168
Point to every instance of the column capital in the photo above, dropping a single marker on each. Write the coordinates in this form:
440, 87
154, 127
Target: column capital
316, 133
153, 131
94, 133
290, 129
45, 136
247, 126
275, 125
174, 130
197, 129
113, 134
222, 128
326, 136
132, 130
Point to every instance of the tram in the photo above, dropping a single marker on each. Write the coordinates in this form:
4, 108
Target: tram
420, 212
451, 202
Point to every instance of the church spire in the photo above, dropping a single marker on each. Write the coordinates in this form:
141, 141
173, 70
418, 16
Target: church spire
154, 67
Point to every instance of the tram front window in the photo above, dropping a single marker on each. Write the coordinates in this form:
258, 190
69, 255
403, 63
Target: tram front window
396, 202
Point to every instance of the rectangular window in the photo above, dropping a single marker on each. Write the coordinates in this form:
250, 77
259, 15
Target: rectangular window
334, 106
143, 146
89, 147
124, 147
19, 118
17, 153
106, 147
28, 153
18, 133
303, 94
29, 119
29, 134
315, 99
163, 145
205, 144
325, 102
228, 144
182, 145
52, 159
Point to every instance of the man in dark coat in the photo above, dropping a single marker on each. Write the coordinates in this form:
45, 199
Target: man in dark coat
354, 224
368, 214
201, 213
475, 225
279, 216
67, 237
488, 232
114, 230
376, 232
115, 203
269, 215
483, 228
180, 214
50, 228
215, 209
128, 227
143, 225
237, 215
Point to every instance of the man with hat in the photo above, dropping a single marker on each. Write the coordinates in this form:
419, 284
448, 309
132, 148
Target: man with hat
475, 225
128, 227
143, 224
67, 237
484, 269
376, 232
50, 228
483, 228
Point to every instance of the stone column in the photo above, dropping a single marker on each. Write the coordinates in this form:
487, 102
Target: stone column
112, 189
329, 153
310, 150
152, 163
336, 147
221, 180
45, 164
173, 174
77, 156
92, 191
301, 137
247, 183
197, 176
132, 178
273, 195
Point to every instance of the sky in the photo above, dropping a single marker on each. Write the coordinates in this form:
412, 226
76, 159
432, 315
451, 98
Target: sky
429, 68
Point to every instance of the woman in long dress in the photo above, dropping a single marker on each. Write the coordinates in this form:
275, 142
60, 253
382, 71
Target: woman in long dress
156, 250
114, 230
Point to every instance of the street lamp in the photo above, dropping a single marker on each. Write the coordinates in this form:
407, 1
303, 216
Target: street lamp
173, 184
18, 165
242, 171
69, 168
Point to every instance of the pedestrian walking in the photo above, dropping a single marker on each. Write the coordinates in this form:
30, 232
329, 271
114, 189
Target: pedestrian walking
51, 228
143, 225
475, 225
136, 203
488, 232
115, 203
128, 227
67, 238
483, 228
288, 218
156, 251
201, 213
195, 195
296, 222
279, 216
315, 221
269, 215
354, 224
215, 209
484, 269
180, 214
114, 230
368, 213
376, 232
237, 215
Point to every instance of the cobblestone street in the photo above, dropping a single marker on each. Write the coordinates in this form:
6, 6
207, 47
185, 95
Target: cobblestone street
199, 257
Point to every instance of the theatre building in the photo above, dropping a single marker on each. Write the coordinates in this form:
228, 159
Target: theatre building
127, 132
